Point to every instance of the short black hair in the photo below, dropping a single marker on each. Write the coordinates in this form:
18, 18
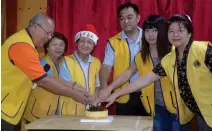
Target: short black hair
183, 19
58, 36
127, 5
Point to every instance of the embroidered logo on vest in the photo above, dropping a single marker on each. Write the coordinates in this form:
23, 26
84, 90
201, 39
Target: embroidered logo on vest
196, 64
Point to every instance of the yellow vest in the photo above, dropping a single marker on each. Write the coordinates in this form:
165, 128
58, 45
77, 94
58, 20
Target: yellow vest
148, 93
67, 105
121, 61
199, 78
16, 85
41, 102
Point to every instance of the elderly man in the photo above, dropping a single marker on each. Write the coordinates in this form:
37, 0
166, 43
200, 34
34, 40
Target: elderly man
22, 71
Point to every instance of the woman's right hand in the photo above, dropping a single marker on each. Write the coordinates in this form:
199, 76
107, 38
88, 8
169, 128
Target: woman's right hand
103, 94
111, 99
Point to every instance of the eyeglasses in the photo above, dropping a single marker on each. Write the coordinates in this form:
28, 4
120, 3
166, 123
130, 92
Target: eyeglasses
48, 33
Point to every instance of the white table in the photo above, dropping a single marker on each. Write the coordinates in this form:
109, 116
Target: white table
120, 123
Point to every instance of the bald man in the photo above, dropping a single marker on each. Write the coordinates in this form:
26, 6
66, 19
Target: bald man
22, 71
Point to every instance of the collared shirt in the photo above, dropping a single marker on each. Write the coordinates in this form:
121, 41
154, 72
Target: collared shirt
134, 49
64, 72
184, 87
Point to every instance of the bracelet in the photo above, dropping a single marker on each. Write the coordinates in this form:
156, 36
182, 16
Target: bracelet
74, 85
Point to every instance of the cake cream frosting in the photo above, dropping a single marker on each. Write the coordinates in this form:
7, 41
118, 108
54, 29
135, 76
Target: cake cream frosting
96, 112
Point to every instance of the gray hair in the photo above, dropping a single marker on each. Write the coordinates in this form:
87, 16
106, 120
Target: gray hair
37, 18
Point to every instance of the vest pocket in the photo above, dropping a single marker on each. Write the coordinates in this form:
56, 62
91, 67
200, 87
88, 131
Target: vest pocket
15, 112
68, 108
4, 97
33, 109
172, 100
38, 111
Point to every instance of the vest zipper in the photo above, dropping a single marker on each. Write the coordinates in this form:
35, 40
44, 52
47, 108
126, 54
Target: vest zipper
48, 110
172, 100
76, 110
61, 113
149, 105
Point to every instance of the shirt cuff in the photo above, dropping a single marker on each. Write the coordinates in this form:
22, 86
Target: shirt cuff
39, 78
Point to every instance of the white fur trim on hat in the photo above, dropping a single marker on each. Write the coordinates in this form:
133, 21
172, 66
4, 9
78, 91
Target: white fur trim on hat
86, 34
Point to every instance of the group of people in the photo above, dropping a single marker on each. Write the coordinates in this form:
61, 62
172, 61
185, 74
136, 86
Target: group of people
158, 70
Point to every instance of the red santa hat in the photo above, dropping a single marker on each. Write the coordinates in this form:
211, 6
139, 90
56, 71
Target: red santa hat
88, 31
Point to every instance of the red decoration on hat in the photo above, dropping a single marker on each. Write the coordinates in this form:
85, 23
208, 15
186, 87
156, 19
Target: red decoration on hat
88, 31
91, 28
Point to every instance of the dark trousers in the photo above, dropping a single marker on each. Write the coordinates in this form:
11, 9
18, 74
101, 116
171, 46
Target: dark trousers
134, 106
6, 126
202, 125
166, 121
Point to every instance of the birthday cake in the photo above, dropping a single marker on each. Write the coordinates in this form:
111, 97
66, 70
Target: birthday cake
96, 112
